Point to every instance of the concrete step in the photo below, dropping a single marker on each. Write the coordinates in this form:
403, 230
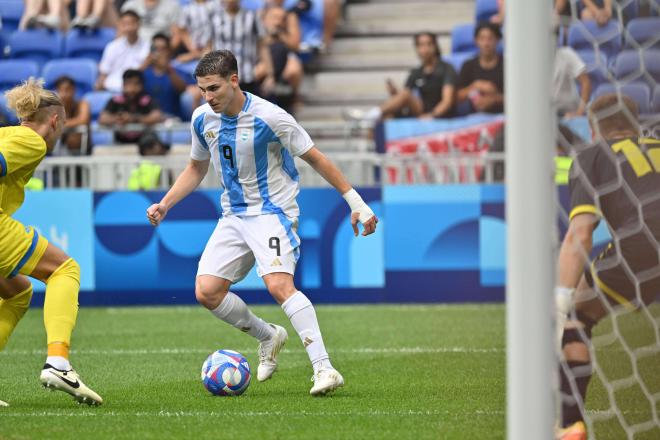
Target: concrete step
315, 112
344, 86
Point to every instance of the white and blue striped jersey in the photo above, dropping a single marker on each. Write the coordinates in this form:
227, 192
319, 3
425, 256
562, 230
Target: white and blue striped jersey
252, 154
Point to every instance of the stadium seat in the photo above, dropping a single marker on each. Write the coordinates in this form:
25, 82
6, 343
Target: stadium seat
655, 100
628, 66
588, 35
39, 45
638, 92
81, 43
596, 66
8, 115
457, 59
254, 5
11, 12
484, 9
185, 70
97, 101
643, 32
462, 39
13, 72
82, 71
186, 105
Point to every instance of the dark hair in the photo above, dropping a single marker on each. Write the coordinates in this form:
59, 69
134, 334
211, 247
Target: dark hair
64, 80
494, 28
613, 112
433, 38
218, 62
161, 36
130, 12
133, 73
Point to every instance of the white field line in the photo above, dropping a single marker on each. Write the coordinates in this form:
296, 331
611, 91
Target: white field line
169, 351
303, 413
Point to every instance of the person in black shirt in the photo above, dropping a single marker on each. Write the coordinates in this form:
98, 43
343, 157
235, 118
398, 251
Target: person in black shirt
616, 180
429, 89
481, 81
133, 106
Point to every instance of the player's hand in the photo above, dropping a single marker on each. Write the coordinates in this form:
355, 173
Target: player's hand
369, 224
156, 213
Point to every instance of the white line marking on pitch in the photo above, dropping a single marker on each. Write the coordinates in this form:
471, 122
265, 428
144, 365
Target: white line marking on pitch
363, 350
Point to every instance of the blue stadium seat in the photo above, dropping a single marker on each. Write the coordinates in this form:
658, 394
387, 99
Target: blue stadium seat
13, 72
655, 100
82, 71
458, 59
462, 39
638, 92
11, 12
585, 34
97, 101
186, 105
8, 114
186, 70
628, 66
252, 4
484, 9
596, 66
38, 44
643, 32
81, 43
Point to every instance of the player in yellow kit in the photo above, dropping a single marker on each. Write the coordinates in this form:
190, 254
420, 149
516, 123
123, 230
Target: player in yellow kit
24, 252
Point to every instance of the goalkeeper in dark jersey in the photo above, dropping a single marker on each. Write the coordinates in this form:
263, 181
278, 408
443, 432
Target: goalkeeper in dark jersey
617, 180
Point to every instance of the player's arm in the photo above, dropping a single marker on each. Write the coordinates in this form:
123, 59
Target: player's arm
575, 249
186, 183
360, 211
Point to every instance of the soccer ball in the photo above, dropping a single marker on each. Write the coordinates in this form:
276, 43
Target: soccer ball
226, 373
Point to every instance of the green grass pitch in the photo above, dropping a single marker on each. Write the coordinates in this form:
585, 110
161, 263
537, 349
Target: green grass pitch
412, 372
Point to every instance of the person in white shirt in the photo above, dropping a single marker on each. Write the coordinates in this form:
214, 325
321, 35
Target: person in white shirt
569, 69
158, 16
128, 51
252, 143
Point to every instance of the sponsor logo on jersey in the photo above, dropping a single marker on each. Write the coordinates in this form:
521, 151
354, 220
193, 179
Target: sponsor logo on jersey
209, 135
245, 135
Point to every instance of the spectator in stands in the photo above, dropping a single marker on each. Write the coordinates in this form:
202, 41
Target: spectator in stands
241, 31
90, 14
569, 68
76, 136
288, 69
429, 89
598, 10
160, 79
498, 18
192, 33
127, 51
289, 26
133, 106
331, 16
481, 81
50, 14
158, 16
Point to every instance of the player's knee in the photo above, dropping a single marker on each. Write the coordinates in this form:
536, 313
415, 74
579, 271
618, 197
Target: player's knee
209, 295
280, 288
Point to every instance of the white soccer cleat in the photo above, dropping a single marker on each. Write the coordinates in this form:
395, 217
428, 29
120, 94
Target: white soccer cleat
326, 380
3, 403
69, 382
268, 352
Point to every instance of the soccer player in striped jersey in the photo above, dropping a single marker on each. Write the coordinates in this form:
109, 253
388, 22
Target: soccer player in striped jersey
251, 143
616, 180
23, 252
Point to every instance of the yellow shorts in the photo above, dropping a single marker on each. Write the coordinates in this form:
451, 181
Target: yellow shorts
21, 247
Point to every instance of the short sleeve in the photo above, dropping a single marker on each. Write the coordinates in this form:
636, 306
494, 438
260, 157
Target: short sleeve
105, 65
465, 76
19, 151
576, 65
410, 82
111, 106
292, 136
581, 189
450, 75
183, 21
200, 148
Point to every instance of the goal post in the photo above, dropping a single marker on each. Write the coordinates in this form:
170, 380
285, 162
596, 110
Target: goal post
530, 216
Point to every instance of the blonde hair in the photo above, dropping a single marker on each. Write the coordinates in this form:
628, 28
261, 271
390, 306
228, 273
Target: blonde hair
29, 98
613, 113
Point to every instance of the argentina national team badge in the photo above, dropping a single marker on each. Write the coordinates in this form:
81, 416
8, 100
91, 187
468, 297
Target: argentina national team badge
244, 135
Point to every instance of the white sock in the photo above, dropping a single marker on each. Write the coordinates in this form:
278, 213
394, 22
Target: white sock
234, 311
301, 312
59, 362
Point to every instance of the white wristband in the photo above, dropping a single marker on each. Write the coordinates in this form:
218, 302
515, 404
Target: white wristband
564, 299
356, 204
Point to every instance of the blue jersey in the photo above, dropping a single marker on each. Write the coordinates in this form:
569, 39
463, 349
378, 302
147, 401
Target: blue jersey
252, 154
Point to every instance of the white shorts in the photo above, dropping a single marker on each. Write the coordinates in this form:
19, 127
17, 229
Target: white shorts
236, 243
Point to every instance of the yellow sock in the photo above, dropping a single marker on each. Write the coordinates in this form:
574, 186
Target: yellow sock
11, 311
61, 305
